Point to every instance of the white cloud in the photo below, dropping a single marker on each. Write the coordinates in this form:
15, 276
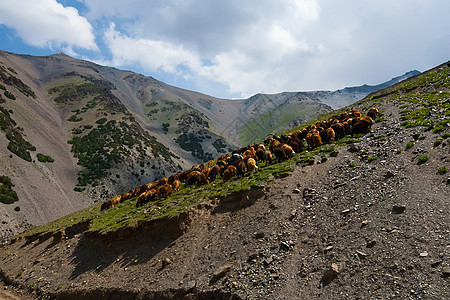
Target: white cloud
151, 55
47, 23
275, 45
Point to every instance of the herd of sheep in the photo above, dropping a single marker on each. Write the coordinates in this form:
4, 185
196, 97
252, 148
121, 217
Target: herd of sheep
245, 160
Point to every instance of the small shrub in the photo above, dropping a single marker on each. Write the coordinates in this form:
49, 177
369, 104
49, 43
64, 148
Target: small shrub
398, 151
445, 135
9, 95
363, 152
59, 287
437, 143
101, 121
351, 164
442, 170
409, 145
371, 158
17, 208
422, 159
382, 138
19, 274
74, 118
380, 119
44, 158
79, 189
41, 292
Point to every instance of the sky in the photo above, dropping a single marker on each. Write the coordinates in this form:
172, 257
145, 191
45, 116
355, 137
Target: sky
238, 48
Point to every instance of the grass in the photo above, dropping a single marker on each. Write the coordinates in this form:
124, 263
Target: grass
409, 145
371, 159
437, 143
422, 159
442, 170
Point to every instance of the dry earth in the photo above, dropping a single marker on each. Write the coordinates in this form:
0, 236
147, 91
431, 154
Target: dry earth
343, 229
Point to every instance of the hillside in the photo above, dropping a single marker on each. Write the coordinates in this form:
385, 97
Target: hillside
369, 219
75, 133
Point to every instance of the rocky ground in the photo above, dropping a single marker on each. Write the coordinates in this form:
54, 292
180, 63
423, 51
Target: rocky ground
348, 228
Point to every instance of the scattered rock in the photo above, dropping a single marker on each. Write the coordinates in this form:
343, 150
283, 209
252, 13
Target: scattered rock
361, 254
296, 191
258, 235
253, 256
388, 175
268, 261
353, 148
364, 223
292, 214
436, 263
219, 273
284, 246
329, 248
446, 272
345, 211
165, 262
190, 285
371, 243
338, 185
330, 274
423, 254
398, 209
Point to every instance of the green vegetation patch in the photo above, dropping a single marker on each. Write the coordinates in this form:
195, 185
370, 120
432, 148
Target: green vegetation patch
422, 159
9, 79
44, 158
7, 194
108, 144
442, 170
18, 145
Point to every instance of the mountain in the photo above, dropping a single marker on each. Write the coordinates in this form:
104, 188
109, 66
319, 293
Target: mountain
75, 133
364, 215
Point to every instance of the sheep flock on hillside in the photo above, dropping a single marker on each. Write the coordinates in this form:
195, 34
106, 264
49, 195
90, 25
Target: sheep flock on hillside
245, 160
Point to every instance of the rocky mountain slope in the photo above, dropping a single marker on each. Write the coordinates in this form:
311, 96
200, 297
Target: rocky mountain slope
370, 221
75, 133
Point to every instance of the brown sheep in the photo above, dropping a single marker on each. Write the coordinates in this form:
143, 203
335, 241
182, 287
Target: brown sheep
106, 205
249, 154
288, 150
260, 154
268, 157
240, 167
115, 200
176, 184
316, 141
206, 172
251, 165
230, 172
363, 125
215, 170
354, 112
163, 191
339, 130
146, 197
373, 113
330, 134
196, 177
